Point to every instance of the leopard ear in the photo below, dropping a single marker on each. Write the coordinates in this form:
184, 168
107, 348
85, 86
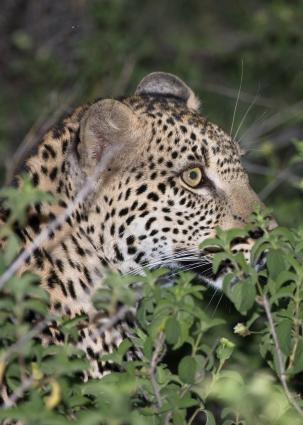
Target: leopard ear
105, 130
162, 83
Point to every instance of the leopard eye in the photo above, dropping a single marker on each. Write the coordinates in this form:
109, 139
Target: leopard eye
193, 177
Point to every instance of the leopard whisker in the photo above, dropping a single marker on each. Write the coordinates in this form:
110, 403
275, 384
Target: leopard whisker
164, 262
217, 305
192, 267
184, 254
180, 256
237, 100
246, 113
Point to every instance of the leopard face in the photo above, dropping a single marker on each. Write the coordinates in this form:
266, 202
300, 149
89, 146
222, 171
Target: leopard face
185, 179
179, 176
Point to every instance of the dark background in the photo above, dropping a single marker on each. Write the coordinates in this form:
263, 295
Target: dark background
55, 54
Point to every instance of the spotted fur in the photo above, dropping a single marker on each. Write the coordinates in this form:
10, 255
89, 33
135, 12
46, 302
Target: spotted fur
139, 214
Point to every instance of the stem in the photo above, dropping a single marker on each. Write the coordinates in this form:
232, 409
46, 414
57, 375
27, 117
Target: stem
215, 376
297, 326
196, 346
153, 366
190, 422
281, 367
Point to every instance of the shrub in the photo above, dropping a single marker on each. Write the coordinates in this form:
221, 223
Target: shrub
192, 365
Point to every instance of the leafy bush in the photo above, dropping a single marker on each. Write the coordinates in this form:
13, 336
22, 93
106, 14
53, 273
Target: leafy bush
192, 366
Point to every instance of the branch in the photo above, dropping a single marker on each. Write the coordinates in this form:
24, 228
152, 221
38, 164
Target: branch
51, 114
25, 338
233, 93
273, 122
276, 182
10, 401
153, 367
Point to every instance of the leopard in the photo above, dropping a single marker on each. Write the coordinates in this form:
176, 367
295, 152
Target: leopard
137, 182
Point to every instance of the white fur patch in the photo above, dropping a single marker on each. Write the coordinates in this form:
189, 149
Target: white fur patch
193, 102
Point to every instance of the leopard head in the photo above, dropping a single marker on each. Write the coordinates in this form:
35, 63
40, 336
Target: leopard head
164, 178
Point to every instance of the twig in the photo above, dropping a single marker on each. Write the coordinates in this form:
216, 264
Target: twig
274, 184
266, 171
125, 76
41, 125
153, 367
87, 188
273, 122
278, 179
191, 420
232, 93
10, 401
24, 339
281, 366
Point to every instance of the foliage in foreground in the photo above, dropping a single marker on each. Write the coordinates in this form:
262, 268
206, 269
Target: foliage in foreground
193, 365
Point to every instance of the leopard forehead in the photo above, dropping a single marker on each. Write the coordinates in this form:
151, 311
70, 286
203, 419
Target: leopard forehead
179, 137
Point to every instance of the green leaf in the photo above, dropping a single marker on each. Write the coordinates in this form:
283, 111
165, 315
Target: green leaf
285, 276
284, 335
242, 294
148, 348
157, 326
187, 369
275, 262
172, 330
11, 248
235, 233
179, 417
69, 324
210, 419
178, 402
298, 361
18, 200
211, 242
219, 258
20, 285
37, 306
